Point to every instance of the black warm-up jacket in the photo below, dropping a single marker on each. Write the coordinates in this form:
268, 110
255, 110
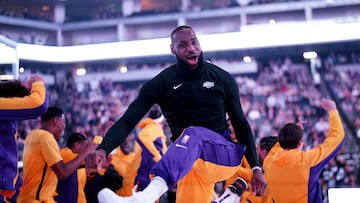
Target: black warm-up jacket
188, 97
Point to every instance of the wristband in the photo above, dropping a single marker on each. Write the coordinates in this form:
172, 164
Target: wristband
256, 168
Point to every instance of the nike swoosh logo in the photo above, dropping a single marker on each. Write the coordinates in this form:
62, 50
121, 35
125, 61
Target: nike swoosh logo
180, 146
177, 86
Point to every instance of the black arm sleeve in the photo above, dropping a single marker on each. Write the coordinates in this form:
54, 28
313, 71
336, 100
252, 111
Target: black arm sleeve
122, 127
240, 124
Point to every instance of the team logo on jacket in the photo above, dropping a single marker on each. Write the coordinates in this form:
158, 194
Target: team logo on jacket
208, 84
185, 139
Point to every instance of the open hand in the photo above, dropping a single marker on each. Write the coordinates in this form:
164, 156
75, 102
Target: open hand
258, 183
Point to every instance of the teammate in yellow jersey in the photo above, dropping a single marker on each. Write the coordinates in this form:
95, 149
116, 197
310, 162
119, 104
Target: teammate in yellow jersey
293, 174
17, 103
43, 164
244, 174
121, 160
71, 190
150, 146
111, 176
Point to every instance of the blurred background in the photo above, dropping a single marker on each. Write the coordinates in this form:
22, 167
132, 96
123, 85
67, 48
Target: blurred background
293, 53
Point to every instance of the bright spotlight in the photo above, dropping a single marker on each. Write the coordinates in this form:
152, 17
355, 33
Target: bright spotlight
247, 59
272, 21
21, 70
123, 69
81, 72
310, 55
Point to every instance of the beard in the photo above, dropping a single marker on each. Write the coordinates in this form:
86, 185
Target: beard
183, 63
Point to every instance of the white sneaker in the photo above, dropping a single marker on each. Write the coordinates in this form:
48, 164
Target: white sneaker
108, 196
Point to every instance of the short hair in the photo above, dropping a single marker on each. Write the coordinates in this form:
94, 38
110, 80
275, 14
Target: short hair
51, 112
268, 142
73, 138
182, 27
290, 135
13, 88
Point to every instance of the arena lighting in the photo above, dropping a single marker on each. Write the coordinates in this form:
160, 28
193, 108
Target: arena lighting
310, 55
90, 52
21, 70
80, 71
7, 77
272, 22
250, 37
7, 54
247, 59
123, 69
